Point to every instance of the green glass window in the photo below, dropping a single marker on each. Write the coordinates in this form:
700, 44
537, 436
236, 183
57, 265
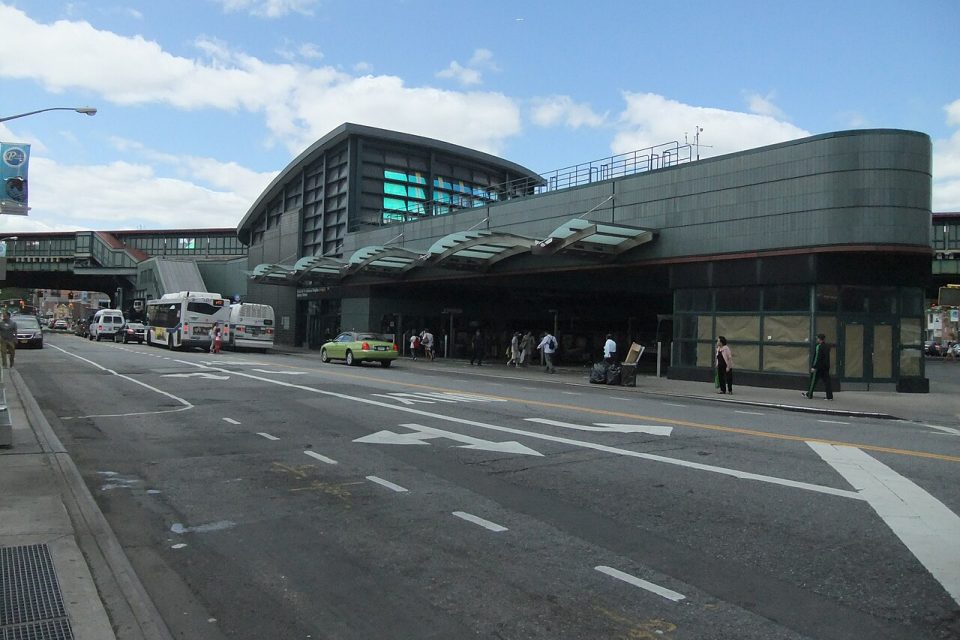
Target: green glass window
442, 183
394, 189
416, 192
391, 174
417, 178
394, 204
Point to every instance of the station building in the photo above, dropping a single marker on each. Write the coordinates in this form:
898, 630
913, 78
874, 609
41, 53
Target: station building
379, 230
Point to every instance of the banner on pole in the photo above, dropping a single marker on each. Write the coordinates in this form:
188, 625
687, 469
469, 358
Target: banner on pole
14, 164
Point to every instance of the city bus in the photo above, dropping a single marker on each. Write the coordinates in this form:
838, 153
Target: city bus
184, 319
250, 326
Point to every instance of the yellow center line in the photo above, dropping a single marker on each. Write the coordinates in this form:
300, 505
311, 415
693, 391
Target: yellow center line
669, 421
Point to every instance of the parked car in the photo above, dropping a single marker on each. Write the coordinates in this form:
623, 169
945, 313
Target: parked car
29, 331
356, 347
131, 332
932, 348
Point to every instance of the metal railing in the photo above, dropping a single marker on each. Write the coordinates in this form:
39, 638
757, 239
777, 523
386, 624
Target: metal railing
661, 156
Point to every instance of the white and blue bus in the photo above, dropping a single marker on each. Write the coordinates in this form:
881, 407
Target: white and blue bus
184, 319
250, 326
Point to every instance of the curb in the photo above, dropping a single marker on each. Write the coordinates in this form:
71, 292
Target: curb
94, 535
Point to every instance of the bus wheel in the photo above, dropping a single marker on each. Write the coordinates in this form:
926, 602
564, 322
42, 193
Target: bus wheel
170, 343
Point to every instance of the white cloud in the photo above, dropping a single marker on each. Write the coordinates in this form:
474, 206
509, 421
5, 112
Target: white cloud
461, 74
946, 165
270, 8
764, 106
472, 72
306, 51
555, 110
299, 103
126, 195
650, 119
362, 67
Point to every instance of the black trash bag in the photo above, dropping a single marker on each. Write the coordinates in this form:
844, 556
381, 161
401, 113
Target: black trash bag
613, 374
598, 375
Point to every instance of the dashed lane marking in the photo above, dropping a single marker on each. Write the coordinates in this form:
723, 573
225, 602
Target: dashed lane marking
643, 584
486, 524
267, 436
321, 458
387, 484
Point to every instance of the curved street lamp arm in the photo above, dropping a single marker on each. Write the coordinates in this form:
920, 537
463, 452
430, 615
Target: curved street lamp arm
90, 111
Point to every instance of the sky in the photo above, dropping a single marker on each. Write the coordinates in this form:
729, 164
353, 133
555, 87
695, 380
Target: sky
201, 103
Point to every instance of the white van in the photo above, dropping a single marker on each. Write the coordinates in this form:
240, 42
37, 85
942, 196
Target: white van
250, 326
105, 324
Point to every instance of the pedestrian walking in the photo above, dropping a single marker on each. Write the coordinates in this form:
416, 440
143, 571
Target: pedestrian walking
724, 366
610, 350
414, 346
479, 345
212, 334
514, 351
8, 340
426, 341
526, 349
217, 339
820, 368
548, 347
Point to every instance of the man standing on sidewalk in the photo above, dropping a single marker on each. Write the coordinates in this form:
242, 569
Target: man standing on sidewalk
820, 368
8, 339
609, 350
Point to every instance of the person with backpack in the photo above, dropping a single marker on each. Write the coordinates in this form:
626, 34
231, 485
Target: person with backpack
548, 347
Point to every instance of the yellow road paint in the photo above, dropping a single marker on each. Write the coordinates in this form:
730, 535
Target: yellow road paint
670, 421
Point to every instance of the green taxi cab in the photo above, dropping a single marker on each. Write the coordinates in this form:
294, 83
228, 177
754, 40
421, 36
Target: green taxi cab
355, 347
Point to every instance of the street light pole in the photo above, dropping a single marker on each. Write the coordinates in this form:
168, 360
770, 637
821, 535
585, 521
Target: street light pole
90, 111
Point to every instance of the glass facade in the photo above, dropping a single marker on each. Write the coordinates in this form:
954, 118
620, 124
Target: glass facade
877, 331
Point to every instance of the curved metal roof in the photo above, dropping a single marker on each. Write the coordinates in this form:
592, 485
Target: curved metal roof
383, 259
593, 238
476, 249
348, 129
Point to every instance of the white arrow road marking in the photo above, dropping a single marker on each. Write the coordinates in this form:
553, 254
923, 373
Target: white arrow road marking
186, 405
643, 584
734, 473
421, 433
283, 373
486, 524
198, 374
924, 524
608, 427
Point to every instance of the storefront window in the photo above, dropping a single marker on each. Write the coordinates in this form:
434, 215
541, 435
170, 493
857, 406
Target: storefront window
786, 328
786, 298
745, 328
786, 358
738, 299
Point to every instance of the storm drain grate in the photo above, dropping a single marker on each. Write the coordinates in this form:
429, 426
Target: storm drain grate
31, 605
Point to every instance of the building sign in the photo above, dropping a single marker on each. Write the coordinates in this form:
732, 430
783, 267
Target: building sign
14, 161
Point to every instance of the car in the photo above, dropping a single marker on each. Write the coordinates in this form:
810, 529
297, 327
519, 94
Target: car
60, 325
105, 324
131, 332
355, 347
29, 331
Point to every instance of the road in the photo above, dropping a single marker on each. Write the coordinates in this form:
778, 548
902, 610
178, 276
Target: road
272, 496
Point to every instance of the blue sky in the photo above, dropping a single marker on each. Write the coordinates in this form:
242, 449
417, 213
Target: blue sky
202, 102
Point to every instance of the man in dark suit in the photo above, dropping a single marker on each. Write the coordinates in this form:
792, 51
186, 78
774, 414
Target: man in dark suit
820, 368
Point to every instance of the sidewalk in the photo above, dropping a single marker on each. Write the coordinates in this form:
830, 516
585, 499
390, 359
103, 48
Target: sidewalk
65, 566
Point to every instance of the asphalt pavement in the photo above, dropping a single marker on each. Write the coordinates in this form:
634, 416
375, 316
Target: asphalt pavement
46, 507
